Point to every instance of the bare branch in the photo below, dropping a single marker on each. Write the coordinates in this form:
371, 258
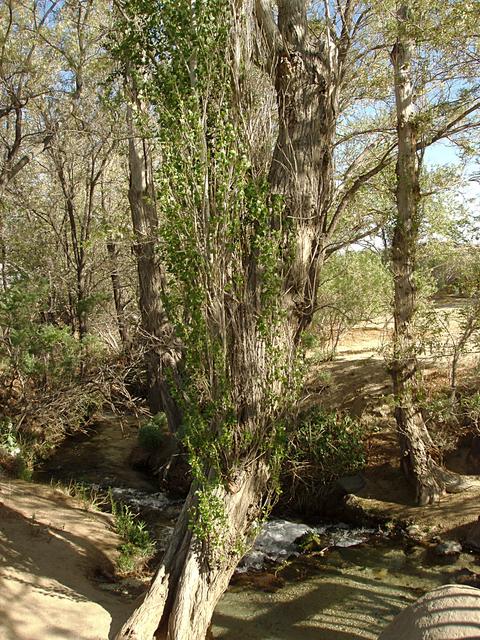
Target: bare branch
352, 239
384, 161
449, 128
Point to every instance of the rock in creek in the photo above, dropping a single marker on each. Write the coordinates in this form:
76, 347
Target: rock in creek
451, 612
448, 548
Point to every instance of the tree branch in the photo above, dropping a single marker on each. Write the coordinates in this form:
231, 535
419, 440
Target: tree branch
269, 29
336, 246
360, 180
448, 129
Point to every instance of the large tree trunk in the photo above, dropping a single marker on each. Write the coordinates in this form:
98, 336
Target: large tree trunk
162, 349
302, 165
418, 451
194, 573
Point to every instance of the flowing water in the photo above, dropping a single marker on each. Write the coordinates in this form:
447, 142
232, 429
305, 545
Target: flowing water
349, 589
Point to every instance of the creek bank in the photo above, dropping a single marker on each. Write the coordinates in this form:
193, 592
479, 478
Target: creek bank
98, 456
334, 591
55, 550
279, 539
379, 498
57, 565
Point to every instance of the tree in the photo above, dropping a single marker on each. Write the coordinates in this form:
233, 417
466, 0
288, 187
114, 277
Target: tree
417, 448
65, 205
115, 225
162, 348
25, 84
242, 253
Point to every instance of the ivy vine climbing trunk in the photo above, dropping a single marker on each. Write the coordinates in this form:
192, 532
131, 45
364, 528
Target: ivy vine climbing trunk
162, 349
418, 451
240, 242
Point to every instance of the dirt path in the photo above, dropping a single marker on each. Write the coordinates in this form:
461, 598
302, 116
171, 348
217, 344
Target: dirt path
55, 557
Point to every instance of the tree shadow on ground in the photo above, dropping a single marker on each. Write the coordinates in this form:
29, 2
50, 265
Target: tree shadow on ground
46, 575
357, 608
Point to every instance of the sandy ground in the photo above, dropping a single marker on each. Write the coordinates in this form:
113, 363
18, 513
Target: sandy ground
54, 559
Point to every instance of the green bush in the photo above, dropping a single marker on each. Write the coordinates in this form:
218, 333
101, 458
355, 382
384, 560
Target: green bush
130, 528
322, 447
151, 433
471, 410
356, 287
12, 452
9, 440
42, 352
332, 442
138, 546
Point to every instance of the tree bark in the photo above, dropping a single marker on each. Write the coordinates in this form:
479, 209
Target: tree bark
194, 573
78, 250
418, 453
3, 252
82, 315
302, 168
162, 348
117, 295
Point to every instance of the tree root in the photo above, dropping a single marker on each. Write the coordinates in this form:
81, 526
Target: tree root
440, 481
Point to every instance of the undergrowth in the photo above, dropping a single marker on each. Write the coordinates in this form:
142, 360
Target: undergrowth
151, 433
137, 547
322, 447
91, 498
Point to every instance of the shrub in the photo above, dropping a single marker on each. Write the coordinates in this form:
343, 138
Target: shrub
471, 410
151, 433
138, 546
12, 455
32, 349
449, 419
9, 441
356, 287
322, 447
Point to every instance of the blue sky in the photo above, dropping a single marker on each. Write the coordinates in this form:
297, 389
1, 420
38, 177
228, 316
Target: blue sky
441, 153
446, 153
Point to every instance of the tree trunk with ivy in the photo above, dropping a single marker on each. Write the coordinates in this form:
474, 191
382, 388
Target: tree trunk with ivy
419, 455
247, 259
195, 572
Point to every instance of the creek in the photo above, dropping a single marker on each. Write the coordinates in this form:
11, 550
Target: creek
349, 589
